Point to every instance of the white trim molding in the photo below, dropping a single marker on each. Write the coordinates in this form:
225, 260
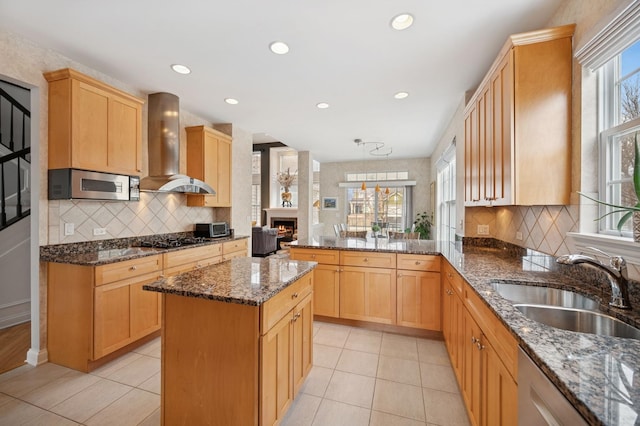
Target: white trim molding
622, 30
614, 246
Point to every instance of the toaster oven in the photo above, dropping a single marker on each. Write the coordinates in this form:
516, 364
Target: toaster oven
211, 230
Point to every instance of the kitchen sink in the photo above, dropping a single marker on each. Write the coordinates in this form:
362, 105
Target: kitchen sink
536, 295
580, 320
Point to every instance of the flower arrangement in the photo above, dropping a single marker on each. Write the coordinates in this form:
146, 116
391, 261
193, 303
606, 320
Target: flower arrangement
286, 179
627, 210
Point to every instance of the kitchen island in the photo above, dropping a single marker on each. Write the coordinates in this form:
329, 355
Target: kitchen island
236, 341
595, 373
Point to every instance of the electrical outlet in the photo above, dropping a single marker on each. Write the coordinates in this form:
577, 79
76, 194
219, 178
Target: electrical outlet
99, 231
483, 229
519, 235
69, 229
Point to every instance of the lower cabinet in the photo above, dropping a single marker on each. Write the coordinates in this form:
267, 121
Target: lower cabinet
419, 300
94, 311
234, 248
326, 290
483, 354
368, 294
286, 359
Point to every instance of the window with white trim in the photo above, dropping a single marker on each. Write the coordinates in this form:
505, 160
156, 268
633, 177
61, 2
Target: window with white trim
446, 195
619, 117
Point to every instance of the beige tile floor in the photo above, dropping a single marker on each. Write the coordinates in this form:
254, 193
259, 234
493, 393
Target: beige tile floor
359, 377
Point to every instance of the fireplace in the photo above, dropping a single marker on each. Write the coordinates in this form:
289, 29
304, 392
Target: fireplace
287, 227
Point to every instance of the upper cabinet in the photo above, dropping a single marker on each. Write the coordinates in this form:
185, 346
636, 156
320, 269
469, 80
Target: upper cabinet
209, 159
92, 125
518, 124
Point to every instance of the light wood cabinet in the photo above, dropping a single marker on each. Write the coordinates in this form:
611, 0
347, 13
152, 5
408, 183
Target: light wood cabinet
92, 125
95, 311
368, 294
179, 261
227, 363
518, 124
418, 291
235, 248
209, 159
483, 354
326, 279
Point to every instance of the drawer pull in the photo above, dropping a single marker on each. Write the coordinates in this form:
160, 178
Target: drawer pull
133, 268
418, 262
365, 260
313, 256
294, 296
296, 316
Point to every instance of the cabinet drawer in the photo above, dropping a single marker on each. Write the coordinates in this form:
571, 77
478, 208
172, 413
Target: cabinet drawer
181, 257
326, 257
499, 336
127, 269
190, 266
450, 274
233, 246
369, 259
278, 306
419, 262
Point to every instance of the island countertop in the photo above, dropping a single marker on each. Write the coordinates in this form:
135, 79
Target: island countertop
597, 374
243, 280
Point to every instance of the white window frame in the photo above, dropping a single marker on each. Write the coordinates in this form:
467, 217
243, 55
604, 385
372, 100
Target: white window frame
446, 205
613, 37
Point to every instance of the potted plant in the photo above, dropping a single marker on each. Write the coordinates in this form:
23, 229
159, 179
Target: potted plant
629, 211
422, 224
375, 228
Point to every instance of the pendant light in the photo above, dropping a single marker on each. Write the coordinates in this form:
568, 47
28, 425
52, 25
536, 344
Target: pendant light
377, 188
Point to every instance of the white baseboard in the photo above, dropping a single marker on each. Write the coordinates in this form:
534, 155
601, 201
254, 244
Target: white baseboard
15, 313
37, 357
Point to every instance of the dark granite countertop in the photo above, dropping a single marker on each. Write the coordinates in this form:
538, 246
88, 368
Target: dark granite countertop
382, 245
243, 280
595, 373
96, 253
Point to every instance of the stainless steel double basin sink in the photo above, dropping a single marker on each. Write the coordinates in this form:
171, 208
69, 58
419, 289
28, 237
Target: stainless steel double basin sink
563, 309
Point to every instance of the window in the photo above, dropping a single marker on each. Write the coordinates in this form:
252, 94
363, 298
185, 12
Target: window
619, 114
446, 196
364, 207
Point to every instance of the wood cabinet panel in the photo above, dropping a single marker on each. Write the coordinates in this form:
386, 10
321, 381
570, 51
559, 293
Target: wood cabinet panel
112, 313
418, 262
368, 259
235, 248
209, 158
276, 393
302, 342
326, 290
146, 309
127, 269
92, 125
326, 257
500, 391
472, 368
506, 147
368, 294
278, 306
419, 299
453, 327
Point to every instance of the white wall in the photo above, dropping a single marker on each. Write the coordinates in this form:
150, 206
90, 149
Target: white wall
14, 266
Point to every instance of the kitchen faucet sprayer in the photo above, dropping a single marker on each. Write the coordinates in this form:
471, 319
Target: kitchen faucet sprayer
616, 273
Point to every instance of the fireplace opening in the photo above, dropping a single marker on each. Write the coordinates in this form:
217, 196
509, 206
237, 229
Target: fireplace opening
287, 227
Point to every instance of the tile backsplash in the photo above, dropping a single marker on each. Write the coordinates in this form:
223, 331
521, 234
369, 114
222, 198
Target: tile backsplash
155, 213
542, 228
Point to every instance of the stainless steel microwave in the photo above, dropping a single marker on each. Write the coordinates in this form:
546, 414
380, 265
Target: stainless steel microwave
66, 184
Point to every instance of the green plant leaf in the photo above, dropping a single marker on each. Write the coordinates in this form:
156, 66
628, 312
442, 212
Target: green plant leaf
623, 219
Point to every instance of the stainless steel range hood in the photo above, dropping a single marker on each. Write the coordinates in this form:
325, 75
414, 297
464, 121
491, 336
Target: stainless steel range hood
164, 149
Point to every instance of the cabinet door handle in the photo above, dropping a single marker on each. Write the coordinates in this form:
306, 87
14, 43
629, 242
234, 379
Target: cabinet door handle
399, 275
449, 275
479, 345
133, 268
473, 340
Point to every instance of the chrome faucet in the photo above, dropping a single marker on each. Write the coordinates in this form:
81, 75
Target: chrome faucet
616, 273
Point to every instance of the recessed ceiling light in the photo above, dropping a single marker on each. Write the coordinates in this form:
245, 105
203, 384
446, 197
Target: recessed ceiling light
402, 21
181, 69
279, 47
231, 101
401, 95
322, 105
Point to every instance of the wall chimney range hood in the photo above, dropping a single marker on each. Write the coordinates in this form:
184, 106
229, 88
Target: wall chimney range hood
164, 149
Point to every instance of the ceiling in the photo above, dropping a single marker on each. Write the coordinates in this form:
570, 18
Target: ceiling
344, 53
